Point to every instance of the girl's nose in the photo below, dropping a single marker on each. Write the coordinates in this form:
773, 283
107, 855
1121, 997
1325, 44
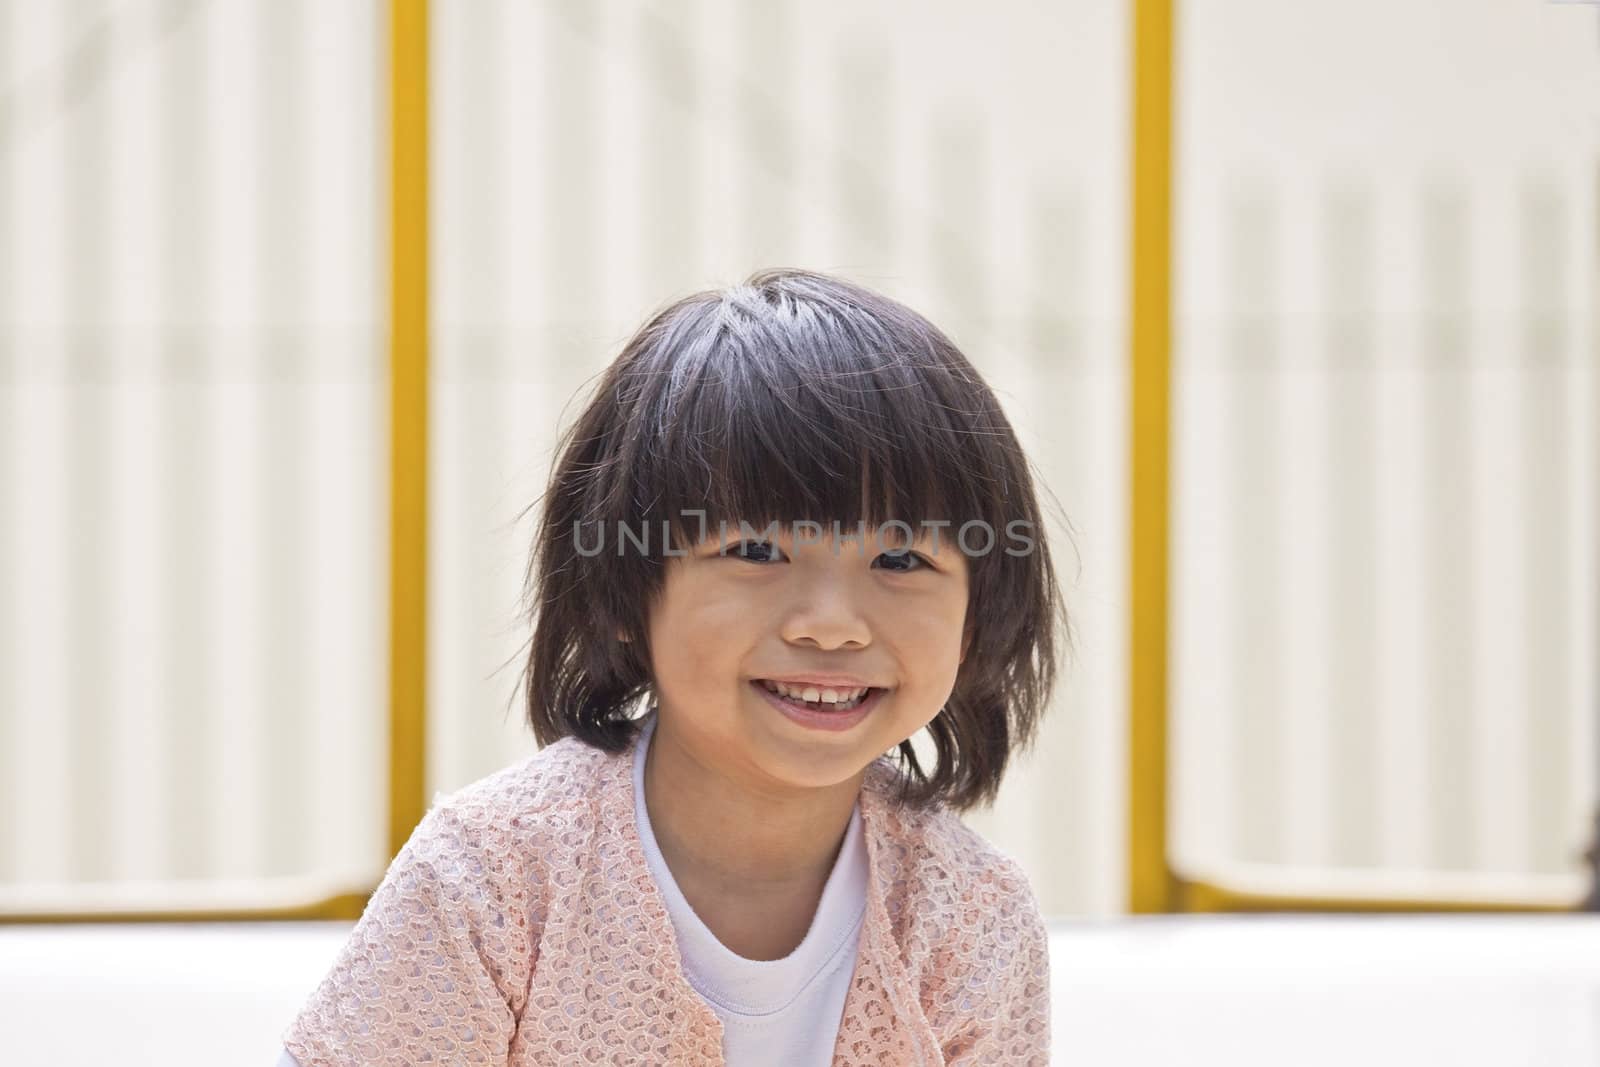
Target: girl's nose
827, 616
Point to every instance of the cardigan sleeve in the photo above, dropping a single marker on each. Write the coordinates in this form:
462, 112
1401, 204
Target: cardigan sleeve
1014, 1026
434, 969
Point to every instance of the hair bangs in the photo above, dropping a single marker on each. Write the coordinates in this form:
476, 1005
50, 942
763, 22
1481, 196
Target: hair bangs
823, 424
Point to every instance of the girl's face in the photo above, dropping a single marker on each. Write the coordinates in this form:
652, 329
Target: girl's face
731, 612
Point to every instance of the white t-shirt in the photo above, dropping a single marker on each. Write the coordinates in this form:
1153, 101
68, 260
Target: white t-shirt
773, 1011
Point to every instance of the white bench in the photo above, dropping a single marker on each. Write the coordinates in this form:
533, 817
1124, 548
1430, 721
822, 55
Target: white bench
1467, 991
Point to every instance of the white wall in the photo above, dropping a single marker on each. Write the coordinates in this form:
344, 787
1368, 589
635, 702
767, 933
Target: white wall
1384, 433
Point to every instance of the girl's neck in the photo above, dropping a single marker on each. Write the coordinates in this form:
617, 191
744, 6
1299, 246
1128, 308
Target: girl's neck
730, 838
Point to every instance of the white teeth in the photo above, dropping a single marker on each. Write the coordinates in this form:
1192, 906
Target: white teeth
814, 695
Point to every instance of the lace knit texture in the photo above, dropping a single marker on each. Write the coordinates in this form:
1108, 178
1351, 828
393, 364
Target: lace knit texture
520, 925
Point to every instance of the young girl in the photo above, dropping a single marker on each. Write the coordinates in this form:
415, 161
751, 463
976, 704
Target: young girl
793, 524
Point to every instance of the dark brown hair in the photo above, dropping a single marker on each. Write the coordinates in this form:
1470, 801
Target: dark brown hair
782, 398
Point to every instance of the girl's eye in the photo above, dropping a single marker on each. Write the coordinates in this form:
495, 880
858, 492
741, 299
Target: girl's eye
738, 551
906, 558
766, 552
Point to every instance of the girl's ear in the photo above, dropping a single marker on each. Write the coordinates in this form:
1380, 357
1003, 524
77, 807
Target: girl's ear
622, 636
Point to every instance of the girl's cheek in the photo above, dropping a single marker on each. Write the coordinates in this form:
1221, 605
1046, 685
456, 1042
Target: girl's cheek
718, 605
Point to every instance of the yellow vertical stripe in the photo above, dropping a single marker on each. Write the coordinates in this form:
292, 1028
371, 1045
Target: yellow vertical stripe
1150, 887
408, 428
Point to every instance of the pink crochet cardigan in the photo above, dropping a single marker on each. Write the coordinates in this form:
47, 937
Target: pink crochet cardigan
520, 925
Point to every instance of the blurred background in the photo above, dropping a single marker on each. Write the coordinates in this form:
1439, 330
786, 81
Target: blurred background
1299, 320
